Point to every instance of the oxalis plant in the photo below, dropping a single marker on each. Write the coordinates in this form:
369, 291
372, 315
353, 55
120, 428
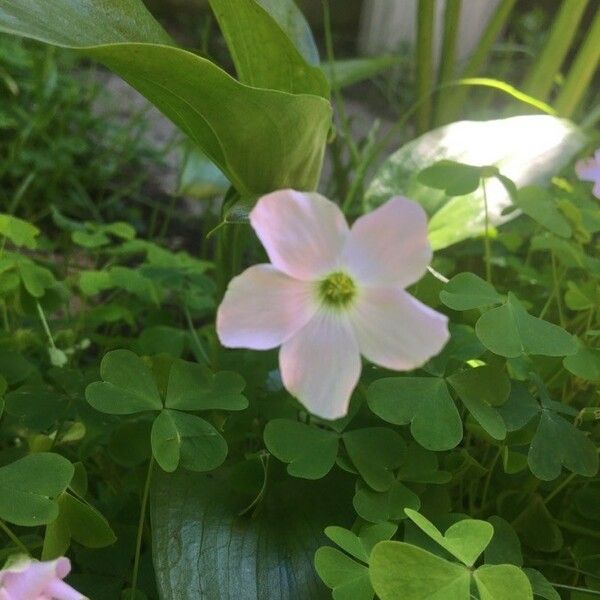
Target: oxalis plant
391, 394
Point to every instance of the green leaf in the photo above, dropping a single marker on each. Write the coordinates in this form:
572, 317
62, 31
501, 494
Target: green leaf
309, 451
14, 366
551, 143
286, 132
584, 364
505, 547
128, 385
558, 443
79, 521
203, 549
454, 178
481, 389
379, 507
347, 578
19, 232
541, 586
345, 72
179, 438
375, 452
511, 331
193, 387
465, 540
30, 486
36, 279
360, 545
161, 339
263, 54
537, 528
466, 291
519, 409
199, 177
502, 582
539, 204
425, 403
400, 570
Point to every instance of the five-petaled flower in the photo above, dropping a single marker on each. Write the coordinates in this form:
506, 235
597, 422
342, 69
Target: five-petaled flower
27, 579
332, 293
588, 169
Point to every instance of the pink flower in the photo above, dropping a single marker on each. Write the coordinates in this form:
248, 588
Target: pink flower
588, 169
26, 579
332, 293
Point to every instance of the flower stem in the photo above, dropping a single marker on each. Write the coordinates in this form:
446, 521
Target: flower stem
13, 538
194, 335
559, 488
45, 324
140, 532
575, 589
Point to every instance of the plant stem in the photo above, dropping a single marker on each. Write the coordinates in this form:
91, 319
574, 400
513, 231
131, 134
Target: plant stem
557, 292
194, 334
140, 532
486, 239
424, 62
559, 488
575, 589
488, 478
585, 531
13, 538
40, 311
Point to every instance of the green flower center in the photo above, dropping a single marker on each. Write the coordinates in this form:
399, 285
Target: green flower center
337, 290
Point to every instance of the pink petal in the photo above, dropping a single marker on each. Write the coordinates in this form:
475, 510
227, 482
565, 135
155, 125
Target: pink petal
389, 246
396, 331
59, 590
302, 233
320, 365
588, 169
30, 581
263, 307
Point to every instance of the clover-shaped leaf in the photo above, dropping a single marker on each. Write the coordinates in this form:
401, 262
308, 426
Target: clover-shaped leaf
379, 507
309, 451
585, 364
30, 486
194, 387
128, 385
539, 204
455, 178
425, 403
502, 582
466, 291
558, 443
511, 331
465, 540
181, 438
360, 545
19, 232
375, 452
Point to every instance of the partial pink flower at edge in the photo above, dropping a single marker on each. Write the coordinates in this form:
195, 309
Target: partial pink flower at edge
27, 579
588, 169
332, 293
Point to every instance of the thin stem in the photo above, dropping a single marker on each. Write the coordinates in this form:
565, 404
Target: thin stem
194, 334
559, 488
488, 478
575, 589
13, 538
585, 531
45, 324
140, 532
424, 62
486, 239
557, 292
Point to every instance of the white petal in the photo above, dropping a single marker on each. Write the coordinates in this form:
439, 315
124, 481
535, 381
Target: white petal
395, 330
320, 365
263, 307
389, 246
303, 233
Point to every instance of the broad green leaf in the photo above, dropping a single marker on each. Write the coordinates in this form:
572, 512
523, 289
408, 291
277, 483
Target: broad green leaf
587, 502
558, 443
347, 578
550, 144
584, 364
462, 347
180, 438
465, 540
263, 54
537, 528
400, 570
482, 389
204, 549
309, 451
379, 507
540, 205
36, 280
360, 545
94, 282
345, 72
375, 452
19, 232
194, 387
14, 367
30, 486
199, 177
36, 407
425, 403
225, 118
128, 385
454, 178
519, 409
79, 521
161, 339
502, 582
511, 331
505, 547
466, 291
541, 586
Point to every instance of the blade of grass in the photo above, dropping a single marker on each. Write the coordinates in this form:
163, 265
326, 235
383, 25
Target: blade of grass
452, 12
581, 72
451, 108
540, 79
424, 63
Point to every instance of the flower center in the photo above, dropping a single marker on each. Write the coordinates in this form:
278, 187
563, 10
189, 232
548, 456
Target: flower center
337, 289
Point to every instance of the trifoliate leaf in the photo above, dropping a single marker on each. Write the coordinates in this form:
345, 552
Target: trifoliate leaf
466, 291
